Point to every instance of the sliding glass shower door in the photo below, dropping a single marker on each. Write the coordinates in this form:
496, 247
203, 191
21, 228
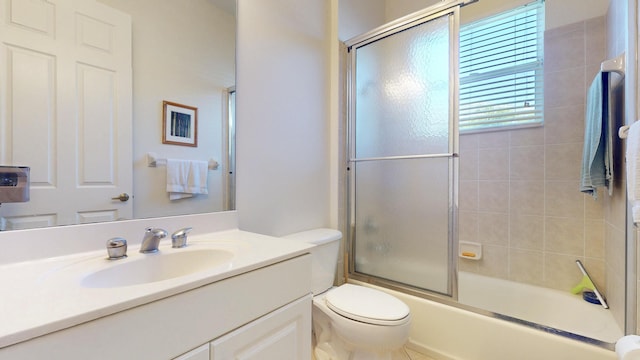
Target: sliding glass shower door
403, 146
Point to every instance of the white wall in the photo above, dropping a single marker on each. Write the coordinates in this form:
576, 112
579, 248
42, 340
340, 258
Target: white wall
359, 16
395, 9
184, 52
283, 119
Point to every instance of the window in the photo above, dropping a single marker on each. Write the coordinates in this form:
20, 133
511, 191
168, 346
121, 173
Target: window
501, 77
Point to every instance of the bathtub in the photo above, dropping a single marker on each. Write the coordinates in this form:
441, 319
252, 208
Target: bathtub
446, 331
548, 307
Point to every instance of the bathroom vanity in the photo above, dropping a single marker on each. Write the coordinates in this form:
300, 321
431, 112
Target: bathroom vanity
255, 304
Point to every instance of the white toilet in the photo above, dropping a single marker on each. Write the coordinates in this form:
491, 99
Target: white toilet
351, 321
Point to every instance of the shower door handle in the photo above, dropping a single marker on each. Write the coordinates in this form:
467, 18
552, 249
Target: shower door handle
402, 157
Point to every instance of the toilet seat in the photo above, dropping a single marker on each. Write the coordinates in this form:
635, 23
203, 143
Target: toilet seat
367, 305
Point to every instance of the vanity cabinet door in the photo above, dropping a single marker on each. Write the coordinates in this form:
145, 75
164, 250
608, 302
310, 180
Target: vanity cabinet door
200, 353
284, 334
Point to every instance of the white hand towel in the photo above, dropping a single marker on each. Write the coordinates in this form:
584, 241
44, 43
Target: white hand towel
186, 178
633, 169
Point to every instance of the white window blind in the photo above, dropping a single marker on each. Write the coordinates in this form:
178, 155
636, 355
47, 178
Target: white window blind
501, 77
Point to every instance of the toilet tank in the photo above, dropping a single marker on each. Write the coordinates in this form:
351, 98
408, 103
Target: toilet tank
324, 255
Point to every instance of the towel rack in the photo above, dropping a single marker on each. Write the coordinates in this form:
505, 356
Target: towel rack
614, 65
154, 161
623, 131
617, 65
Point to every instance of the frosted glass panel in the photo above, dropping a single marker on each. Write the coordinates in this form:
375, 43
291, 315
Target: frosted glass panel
402, 217
402, 93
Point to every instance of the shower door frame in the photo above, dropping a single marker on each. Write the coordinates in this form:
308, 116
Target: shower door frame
632, 233
451, 10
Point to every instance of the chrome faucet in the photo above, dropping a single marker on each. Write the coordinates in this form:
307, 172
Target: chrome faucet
179, 238
151, 240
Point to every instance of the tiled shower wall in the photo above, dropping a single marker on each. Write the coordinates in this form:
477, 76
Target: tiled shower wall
519, 189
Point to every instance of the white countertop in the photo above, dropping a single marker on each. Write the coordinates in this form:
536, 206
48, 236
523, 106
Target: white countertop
45, 295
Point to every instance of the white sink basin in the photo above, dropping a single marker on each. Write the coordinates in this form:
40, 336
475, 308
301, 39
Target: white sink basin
160, 266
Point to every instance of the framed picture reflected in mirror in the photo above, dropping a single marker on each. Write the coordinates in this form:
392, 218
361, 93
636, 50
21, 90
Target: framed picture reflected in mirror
179, 124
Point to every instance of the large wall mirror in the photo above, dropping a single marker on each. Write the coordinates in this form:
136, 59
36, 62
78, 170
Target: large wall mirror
66, 123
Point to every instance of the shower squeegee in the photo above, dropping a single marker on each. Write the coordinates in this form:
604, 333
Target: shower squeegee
586, 283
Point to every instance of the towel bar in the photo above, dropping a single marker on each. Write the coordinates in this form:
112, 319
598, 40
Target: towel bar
616, 65
154, 161
623, 131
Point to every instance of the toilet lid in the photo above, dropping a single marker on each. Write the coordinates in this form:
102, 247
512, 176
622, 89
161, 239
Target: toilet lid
367, 305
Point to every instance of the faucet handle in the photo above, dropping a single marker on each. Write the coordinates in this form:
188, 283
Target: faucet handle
117, 248
179, 238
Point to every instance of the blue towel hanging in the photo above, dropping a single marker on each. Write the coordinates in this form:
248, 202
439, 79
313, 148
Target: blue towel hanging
597, 154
